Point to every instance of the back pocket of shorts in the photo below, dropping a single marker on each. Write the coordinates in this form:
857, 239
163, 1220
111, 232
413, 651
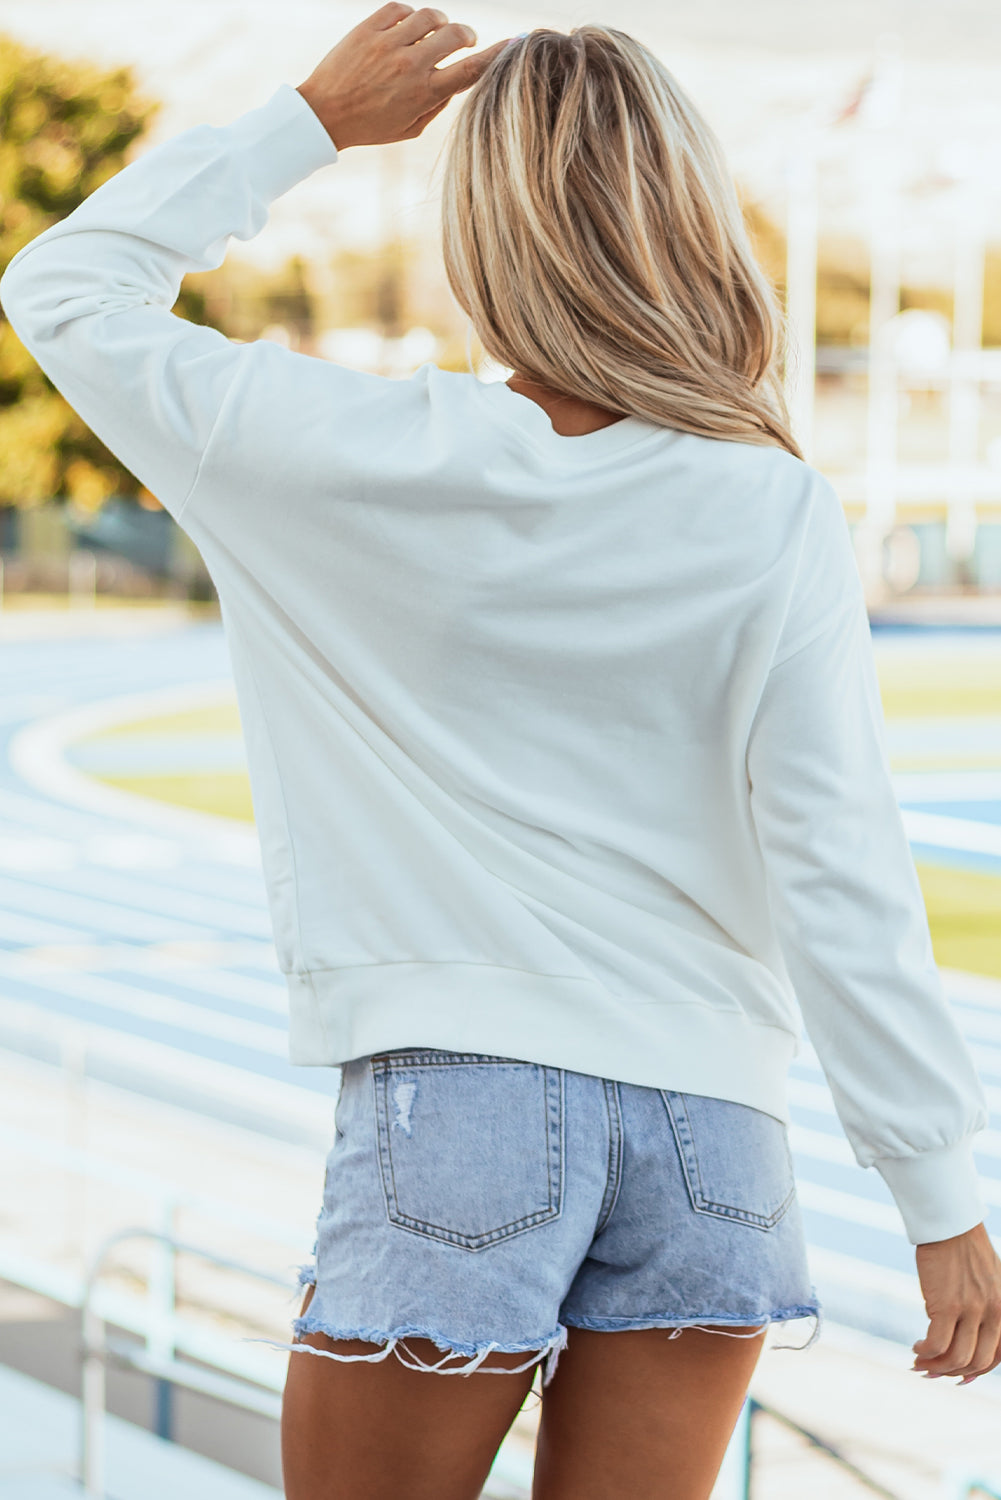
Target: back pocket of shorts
470, 1146
736, 1159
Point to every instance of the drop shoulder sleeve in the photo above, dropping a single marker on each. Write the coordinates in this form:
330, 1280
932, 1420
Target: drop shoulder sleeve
90, 298
848, 906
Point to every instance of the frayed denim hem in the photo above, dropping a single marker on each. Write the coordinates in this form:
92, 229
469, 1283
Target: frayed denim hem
678, 1325
548, 1349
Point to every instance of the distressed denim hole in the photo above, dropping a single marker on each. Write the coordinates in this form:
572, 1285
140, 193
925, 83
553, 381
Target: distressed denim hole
470, 1146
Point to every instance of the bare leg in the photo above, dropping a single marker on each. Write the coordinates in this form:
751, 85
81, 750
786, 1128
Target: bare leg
638, 1415
378, 1431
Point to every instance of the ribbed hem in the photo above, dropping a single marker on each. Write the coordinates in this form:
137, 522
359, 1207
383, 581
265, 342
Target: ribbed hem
937, 1192
339, 1014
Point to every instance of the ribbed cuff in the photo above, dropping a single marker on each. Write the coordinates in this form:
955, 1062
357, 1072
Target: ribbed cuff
937, 1192
286, 141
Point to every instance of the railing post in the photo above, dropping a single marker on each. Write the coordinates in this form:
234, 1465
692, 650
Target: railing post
81, 583
160, 1331
745, 1424
163, 1297
959, 1482
93, 1400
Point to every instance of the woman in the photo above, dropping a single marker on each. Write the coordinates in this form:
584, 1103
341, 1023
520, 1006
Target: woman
567, 761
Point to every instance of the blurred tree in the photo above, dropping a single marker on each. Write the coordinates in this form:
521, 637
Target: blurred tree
288, 301
992, 298
767, 241
65, 127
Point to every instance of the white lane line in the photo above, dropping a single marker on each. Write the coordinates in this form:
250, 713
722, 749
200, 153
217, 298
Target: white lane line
187, 971
175, 1065
100, 916
36, 754
956, 735
227, 986
941, 832
849, 1208
36, 851
15, 927
865, 1276
119, 851
33, 815
124, 891
112, 994
219, 983
224, 953
167, 754
973, 989
947, 786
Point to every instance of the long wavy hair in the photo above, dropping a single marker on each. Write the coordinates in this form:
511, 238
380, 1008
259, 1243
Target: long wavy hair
593, 236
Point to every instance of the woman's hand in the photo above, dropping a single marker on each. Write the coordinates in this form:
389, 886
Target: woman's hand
961, 1284
380, 82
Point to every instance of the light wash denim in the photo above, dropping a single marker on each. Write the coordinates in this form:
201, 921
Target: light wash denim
490, 1204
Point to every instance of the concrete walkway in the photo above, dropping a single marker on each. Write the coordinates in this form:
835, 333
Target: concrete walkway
39, 1437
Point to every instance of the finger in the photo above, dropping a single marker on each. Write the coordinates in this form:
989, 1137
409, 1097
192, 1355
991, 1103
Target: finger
985, 1355
992, 1366
464, 73
417, 25
958, 1355
438, 44
937, 1340
388, 16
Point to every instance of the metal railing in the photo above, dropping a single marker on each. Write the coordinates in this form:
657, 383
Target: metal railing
216, 1366
969, 1484
158, 1355
744, 1435
226, 1371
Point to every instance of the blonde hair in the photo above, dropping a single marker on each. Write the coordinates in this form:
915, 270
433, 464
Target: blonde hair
592, 233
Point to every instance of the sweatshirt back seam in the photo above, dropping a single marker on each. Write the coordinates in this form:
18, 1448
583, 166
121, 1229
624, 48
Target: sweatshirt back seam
286, 821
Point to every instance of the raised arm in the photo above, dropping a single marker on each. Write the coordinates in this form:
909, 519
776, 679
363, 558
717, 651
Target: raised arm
91, 297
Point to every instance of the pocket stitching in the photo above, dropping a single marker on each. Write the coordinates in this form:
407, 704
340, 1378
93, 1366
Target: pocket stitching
382, 1067
701, 1203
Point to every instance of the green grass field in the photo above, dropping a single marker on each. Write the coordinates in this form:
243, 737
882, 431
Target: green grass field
964, 906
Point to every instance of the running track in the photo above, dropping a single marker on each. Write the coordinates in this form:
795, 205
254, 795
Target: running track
150, 927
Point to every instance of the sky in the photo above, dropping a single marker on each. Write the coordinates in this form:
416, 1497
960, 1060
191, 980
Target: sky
771, 76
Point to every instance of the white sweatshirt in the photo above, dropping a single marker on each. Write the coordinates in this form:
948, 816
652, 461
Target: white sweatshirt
567, 749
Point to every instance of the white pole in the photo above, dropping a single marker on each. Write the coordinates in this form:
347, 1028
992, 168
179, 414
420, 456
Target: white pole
884, 303
160, 1335
801, 291
964, 387
82, 578
93, 1402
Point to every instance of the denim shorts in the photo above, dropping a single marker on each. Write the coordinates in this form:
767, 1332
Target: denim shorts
486, 1203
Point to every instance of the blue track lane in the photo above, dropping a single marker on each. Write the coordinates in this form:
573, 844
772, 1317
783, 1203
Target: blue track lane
144, 933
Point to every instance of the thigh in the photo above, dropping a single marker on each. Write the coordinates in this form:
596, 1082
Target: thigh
638, 1414
361, 1431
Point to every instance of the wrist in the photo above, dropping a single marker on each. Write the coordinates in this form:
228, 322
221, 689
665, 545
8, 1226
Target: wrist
334, 128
